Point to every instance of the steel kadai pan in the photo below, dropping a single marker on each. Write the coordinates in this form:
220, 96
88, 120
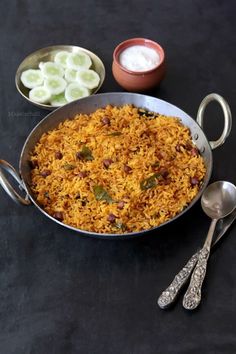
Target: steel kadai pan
90, 104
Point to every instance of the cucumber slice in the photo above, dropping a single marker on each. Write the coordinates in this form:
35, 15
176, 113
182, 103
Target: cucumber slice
50, 69
31, 78
41, 64
39, 94
75, 91
70, 75
88, 78
55, 85
61, 57
58, 100
78, 61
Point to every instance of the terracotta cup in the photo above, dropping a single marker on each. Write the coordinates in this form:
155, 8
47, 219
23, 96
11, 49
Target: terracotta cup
137, 81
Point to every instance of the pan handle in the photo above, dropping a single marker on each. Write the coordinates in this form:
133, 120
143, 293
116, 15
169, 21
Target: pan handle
227, 117
4, 165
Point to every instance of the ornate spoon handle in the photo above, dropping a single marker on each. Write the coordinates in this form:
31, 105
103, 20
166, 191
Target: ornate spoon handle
192, 296
170, 294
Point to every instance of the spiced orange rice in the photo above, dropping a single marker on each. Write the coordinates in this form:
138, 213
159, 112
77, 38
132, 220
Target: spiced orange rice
117, 170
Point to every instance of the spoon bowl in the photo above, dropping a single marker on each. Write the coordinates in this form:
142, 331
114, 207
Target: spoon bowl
219, 199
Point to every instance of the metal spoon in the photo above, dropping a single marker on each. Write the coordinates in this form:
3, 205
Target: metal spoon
168, 296
218, 200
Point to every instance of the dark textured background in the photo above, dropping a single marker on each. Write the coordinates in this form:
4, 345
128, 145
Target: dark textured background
62, 293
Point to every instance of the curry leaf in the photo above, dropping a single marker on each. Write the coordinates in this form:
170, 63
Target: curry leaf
148, 114
114, 134
68, 166
101, 194
142, 112
86, 153
120, 226
150, 182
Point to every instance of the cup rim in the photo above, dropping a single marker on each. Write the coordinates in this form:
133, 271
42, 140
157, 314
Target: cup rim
138, 41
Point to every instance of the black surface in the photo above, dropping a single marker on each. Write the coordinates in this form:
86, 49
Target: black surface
62, 293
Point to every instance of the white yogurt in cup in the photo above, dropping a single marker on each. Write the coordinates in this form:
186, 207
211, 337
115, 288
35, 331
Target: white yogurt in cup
138, 64
139, 58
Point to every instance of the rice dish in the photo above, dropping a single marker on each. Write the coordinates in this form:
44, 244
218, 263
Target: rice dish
116, 170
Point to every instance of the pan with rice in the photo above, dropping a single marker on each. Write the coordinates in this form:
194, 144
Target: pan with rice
117, 164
